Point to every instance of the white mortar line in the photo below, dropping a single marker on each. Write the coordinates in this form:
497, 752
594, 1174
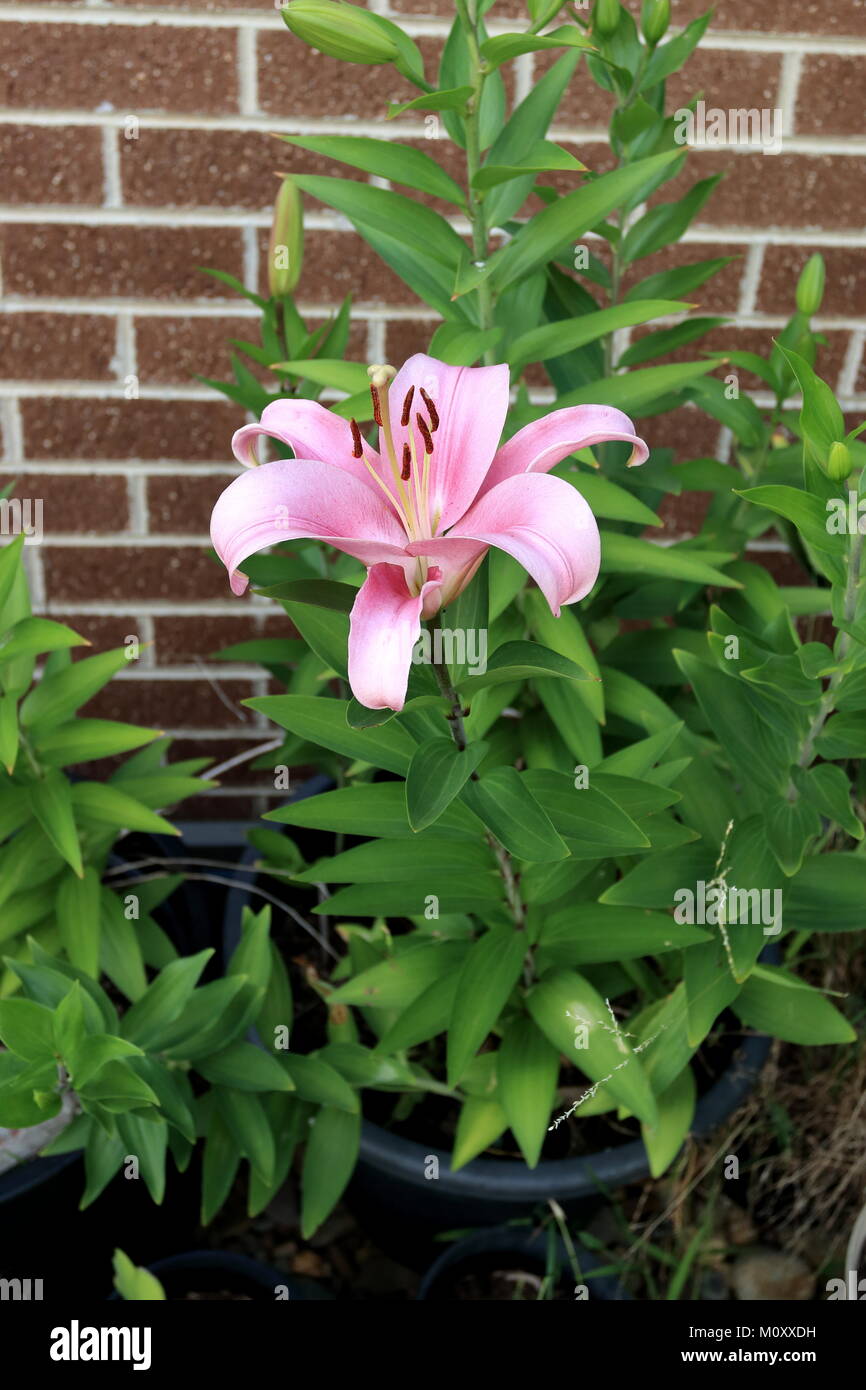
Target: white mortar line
750, 281
847, 385
13, 436
139, 520
789, 84
147, 636
112, 185
248, 96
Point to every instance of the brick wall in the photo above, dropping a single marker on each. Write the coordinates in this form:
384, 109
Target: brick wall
107, 317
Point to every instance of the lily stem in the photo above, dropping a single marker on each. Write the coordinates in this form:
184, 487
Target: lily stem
474, 198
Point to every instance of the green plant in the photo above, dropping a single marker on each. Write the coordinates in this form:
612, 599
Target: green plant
58, 828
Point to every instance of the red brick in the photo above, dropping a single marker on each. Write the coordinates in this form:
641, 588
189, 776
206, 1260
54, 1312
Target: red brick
74, 502
180, 640
720, 294
294, 80
157, 262
688, 431
86, 429
178, 349
845, 289
405, 337
104, 633
147, 68
682, 515
173, 704
183, 505
830, 96
57, 347
51, 164
731, 79
844, 17
214, 168
341, 263
784, 568
132, 572
781, 190
730, 337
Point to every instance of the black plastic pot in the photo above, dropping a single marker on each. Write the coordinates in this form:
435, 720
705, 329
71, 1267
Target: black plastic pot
511, 1246
220, 1271
393, 1199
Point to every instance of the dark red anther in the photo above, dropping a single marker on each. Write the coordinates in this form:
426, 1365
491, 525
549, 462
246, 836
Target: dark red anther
407, 406
357, 443
407, 463
425, 434
431, 409
377, 408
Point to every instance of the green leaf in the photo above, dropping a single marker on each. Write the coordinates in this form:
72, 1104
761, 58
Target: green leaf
564, 1002
319, 593
149, 1142
585, 815
515, 661
450, 99
670, 57
220, 1164
119, 948
527, 1073
324, 722
57, 697
245, 1067
458, 893
790, 826
428, 1014
85, 739
164, 1000
664, 1140
105, 804
553, 340
133, 1282
506, 805
27, 1029
621, 554
420, 229
436, 775
633, 391
78, 919
543, 157
118, 1088
247, 1123
591, 933
567, 219
681, 280
37, 635
386, 861
666, 340
827, 894
394, 983
329, 1160
504, 47
317, 1082
50, 799
665, 223
828, 789
371, 808
489, 974
821, 420
775, 1001
479, 1124
386, 159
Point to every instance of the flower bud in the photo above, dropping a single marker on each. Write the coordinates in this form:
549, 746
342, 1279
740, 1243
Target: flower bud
340, 30
810, 286
286, 250
654, 20
839, 462
605, 16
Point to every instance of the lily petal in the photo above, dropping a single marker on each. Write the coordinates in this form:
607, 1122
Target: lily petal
543, 522
310, 430
291, 498
538, 447
384, 626
471, 404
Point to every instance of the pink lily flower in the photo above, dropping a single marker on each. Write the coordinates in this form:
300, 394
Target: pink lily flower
421, 513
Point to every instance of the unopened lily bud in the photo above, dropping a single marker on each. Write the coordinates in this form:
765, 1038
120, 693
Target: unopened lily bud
340, 30
605, 16
810, 286
286, 250
654, 20
778, 440
839, 462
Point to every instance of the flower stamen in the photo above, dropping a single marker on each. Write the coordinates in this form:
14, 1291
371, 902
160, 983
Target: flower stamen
431, 410
407, 407
357, 442
407, 463
425, 434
